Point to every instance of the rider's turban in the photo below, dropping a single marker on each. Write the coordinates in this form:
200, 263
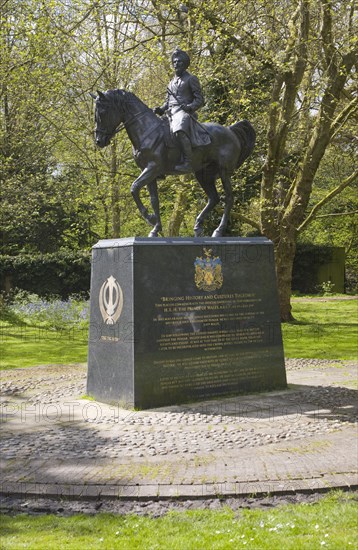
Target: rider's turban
183, 55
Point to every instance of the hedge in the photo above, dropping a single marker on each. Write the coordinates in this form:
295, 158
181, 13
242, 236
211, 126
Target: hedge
310, 259
60, 274
66, 273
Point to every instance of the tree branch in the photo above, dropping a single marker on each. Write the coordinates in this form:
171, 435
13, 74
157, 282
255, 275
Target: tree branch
244, 219
320, 139
283, 99
247, 43
312, 215
343, 116
326, 31
76, 25
66, 135
337, 214
241, 218
352, 241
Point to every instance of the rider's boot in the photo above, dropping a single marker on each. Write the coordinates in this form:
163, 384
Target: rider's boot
185, 146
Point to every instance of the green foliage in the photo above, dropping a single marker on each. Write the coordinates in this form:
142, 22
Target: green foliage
63, 273
336, 224
327, 288
289, 71
54, 314
328, 523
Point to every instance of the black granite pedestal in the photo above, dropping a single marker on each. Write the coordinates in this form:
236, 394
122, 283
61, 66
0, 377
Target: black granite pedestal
178, 320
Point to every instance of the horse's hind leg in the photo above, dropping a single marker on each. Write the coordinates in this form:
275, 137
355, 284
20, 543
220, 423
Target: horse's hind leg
154, 200
206, 178
229, 201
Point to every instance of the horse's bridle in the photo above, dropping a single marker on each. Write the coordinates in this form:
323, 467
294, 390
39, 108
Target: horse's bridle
121, 126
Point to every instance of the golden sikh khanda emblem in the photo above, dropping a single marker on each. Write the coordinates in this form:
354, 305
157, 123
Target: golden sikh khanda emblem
110, 301
208, 274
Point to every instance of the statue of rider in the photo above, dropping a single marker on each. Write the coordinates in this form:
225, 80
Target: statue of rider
184, 98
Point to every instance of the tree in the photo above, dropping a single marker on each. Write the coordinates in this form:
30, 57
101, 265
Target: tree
304, 53
55, 183
285, 200
334, 223
288, 67
26, 141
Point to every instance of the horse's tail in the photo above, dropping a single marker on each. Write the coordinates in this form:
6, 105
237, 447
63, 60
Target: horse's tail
247, 137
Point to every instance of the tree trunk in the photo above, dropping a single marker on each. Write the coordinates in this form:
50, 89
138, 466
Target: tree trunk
180, 205
116, 209
116, 212
285, 255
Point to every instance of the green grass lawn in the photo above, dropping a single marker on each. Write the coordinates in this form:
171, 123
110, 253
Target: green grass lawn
27, 346
326, 330
329, 523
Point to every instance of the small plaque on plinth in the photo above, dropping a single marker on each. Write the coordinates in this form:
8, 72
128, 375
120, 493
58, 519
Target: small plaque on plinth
179, 320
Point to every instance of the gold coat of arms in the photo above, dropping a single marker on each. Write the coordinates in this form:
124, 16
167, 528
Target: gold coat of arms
208, 274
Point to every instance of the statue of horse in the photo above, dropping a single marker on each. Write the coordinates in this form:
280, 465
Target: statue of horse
156, 154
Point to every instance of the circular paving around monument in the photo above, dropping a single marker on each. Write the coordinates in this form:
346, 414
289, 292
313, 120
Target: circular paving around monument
55, 441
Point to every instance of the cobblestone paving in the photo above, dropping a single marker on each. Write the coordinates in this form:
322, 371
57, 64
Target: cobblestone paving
47, 395
50, 429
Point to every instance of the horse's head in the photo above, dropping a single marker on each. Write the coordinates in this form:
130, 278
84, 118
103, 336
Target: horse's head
107, 118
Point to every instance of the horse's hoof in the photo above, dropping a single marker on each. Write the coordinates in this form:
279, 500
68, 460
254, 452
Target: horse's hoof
217, 233
198, 231
155, 231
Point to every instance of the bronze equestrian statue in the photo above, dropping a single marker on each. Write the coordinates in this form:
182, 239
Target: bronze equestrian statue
215, 151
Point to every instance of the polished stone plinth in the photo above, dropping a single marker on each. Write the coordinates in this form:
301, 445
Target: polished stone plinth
181, 319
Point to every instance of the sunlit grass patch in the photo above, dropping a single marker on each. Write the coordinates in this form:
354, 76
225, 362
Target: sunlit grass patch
26, 346
324, 330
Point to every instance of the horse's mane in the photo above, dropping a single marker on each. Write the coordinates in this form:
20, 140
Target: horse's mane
125, 100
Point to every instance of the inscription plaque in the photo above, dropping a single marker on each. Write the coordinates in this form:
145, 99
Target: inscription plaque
177, 320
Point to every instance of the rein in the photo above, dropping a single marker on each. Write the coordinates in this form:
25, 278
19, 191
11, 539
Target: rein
122, 125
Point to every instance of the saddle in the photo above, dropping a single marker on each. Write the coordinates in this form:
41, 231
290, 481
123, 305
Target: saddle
151, 139
169, 139
199, 136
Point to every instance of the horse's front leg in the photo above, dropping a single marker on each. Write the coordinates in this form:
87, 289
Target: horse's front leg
154, 200
146, 178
